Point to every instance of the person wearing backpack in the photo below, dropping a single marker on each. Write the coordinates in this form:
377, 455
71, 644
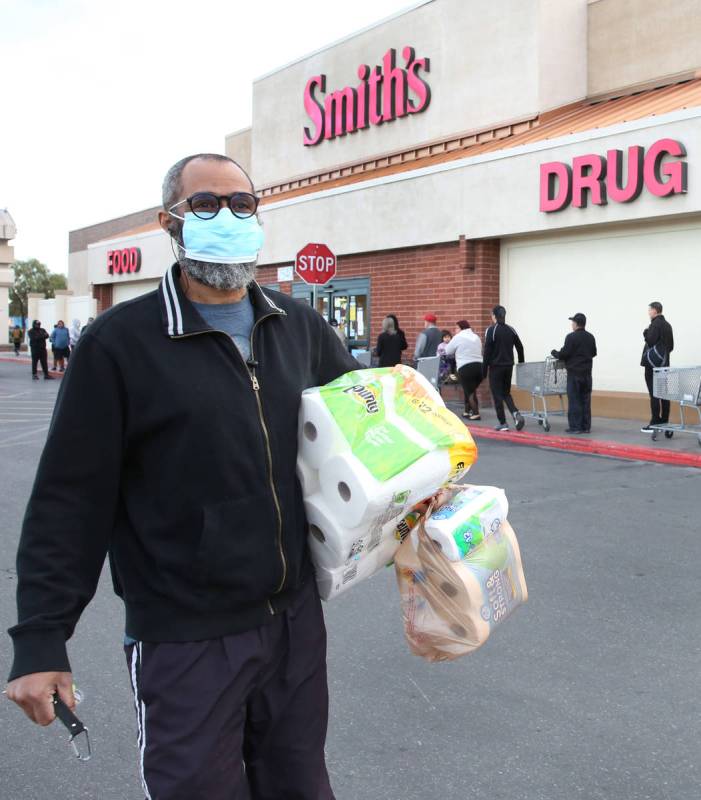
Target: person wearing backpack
659, 343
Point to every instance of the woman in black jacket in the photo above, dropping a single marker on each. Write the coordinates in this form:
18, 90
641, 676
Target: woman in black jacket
389, 344
402, 337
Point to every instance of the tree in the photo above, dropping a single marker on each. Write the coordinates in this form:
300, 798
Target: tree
32, 276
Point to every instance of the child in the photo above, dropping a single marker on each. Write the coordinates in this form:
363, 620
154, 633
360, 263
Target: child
446, 368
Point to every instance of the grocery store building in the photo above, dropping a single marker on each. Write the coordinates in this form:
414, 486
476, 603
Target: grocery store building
543, 154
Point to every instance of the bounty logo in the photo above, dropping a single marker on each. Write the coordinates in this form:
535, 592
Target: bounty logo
364, 395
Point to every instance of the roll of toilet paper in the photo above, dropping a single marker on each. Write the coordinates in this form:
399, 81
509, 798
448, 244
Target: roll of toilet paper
460, 525
355, 496
319, 435
332, 546
412, 375
308, 478
333, 582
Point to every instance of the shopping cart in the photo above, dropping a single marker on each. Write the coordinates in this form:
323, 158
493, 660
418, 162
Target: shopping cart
680, 385
543, 379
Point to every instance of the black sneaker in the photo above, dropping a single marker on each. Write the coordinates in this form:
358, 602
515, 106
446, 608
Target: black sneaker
504, 427
647, 429
48, 377
35, 377
519, 420
572, 430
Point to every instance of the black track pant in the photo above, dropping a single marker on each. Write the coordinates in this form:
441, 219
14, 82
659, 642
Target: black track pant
39, 357
659, 409
241, 717
470, 376
579, 402
500, 386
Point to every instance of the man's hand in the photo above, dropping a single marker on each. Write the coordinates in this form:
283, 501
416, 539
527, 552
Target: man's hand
34, 694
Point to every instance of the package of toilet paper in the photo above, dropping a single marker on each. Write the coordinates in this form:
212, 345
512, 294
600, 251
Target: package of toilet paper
450, 608
457, 527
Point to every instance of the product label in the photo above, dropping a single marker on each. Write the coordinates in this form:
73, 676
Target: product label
359, 401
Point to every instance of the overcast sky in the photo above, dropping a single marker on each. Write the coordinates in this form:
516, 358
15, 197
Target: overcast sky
99, 97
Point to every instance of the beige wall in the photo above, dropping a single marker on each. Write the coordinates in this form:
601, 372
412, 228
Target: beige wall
127, 291
238, 146
78, 278
486, 196
633, 42
611, 275
490, 63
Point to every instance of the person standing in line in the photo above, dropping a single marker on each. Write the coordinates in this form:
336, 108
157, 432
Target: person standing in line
37, 347
400, 332
17, 338
428, 340
659, 343
87, 324
578, 353
389, 344
53, 349
60, 342
500, 340
466, 347
338, 330
74, 334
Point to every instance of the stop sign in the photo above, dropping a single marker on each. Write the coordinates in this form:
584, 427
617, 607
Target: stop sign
315, 263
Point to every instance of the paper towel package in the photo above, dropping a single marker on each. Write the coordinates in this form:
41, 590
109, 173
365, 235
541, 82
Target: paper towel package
451, 607
372, 444
460, 525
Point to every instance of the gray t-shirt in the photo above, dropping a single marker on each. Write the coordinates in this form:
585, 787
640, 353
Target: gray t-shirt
236, 319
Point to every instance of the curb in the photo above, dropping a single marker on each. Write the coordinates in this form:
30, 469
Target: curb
25, 362
627, 452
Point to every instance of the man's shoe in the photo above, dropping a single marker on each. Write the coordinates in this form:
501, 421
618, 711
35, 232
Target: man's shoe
48, 377
519, 420
647, 429
475, 417
35, 377
502, 428
571, 430
588, 430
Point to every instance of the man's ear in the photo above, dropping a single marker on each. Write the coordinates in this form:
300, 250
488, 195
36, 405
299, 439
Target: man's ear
166, 222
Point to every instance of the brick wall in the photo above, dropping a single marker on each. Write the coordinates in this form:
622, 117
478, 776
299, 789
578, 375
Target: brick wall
454, 280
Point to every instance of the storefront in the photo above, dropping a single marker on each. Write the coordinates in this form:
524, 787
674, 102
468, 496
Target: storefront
452, 157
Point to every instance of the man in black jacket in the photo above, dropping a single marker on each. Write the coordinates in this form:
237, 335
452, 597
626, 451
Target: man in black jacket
179, 411
500, 340
659, 343
578, 353
37, 347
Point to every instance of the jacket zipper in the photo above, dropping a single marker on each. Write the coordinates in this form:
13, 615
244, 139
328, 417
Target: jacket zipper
266, 435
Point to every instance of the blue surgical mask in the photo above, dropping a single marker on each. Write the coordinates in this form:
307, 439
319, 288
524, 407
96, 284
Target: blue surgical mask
224, 239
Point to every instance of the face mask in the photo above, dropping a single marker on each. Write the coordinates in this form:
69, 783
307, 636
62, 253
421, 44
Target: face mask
224, 239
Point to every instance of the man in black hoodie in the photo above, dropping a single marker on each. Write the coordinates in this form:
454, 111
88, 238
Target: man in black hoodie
500, 340
578, 353
659, 343
183, 473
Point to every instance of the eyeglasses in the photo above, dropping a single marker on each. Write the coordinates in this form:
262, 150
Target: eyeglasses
206, 205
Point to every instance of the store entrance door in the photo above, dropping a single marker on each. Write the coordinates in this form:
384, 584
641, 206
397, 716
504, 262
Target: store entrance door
348, 302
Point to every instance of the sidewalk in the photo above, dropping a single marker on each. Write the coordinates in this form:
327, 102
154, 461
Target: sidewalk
25, 360
617, 438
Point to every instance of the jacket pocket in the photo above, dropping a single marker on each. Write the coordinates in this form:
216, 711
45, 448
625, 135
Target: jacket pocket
238, 554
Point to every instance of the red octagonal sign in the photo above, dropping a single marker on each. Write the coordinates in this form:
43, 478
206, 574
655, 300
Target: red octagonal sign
315, 263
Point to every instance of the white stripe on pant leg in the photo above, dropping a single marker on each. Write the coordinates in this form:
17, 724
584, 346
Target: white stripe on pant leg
140, 714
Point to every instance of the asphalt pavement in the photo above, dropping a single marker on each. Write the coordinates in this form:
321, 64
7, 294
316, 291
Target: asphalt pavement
589, 691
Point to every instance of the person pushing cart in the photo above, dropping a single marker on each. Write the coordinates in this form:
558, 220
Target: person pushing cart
578, 354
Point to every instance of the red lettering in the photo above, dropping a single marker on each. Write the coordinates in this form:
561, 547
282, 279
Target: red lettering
110, 261
340, 113
588, 175
314, 109
614, 171
417, 84
396, 88
663, 178
555, 186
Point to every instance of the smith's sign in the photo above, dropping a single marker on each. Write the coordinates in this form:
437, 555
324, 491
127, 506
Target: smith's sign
598, 179
383, 94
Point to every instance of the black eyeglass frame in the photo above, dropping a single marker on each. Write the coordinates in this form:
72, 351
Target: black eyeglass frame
230, 198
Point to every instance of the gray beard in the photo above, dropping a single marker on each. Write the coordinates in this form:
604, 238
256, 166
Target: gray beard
219, 276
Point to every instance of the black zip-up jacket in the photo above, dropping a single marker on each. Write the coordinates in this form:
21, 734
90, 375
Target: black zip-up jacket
578, 352
659, 331
37, 339
499, 342
172, 455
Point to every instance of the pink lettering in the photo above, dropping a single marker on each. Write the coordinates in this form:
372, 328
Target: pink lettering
555, 186
614, 170
314, 109
588, 175
663, 178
